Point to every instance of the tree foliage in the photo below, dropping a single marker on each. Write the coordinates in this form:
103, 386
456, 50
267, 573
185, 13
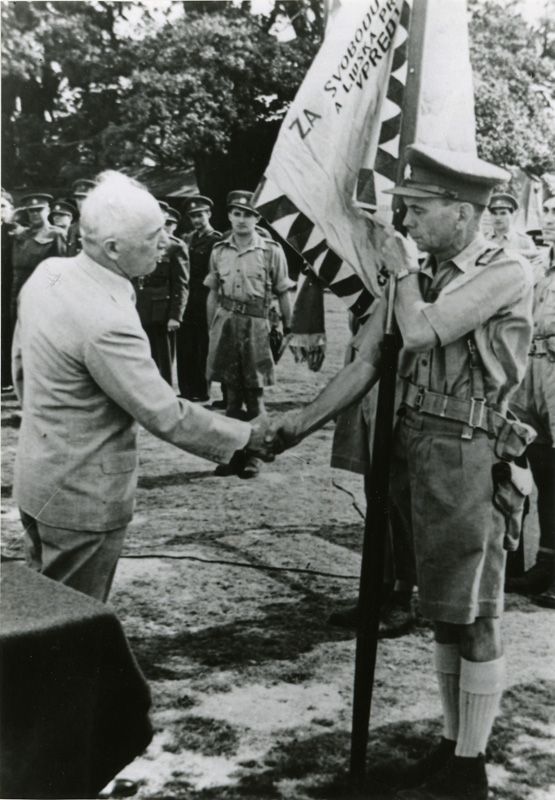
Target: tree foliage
90, 85
514, 83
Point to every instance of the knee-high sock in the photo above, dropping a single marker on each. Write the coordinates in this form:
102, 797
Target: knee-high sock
481, 687
448, 667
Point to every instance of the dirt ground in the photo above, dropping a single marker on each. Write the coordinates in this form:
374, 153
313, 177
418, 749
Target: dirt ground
223, 591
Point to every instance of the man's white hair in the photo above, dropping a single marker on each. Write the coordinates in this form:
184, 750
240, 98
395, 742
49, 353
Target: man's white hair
117, 206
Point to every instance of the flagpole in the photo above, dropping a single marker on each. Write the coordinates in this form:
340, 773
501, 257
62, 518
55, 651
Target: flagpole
376, 481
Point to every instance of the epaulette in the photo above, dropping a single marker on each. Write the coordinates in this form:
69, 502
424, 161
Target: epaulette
489, 254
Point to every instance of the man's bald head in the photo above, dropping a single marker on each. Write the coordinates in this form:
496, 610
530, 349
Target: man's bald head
122, 226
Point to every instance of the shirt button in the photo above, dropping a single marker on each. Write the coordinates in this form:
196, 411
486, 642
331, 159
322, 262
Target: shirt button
424, 362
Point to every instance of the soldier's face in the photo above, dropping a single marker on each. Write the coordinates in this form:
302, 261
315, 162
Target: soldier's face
200, 219
242, 221
432, 223
501, 218
548, 218
61, 220
37, 216
170, 227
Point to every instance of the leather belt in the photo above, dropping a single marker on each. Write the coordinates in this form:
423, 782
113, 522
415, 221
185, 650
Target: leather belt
250, 308
473, 413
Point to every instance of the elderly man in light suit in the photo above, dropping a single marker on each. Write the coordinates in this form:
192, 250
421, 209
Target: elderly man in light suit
84, 376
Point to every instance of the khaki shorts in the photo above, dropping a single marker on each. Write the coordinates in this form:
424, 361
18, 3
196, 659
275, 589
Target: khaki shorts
442, 488
239, 352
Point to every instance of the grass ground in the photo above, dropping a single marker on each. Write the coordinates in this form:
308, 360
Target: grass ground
223, 591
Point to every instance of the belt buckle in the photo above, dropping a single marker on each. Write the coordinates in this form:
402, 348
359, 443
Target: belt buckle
419, 399
474, 403
239, 307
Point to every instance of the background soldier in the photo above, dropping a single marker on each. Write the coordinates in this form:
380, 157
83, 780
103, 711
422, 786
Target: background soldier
80, 190
62, 215
245, 270
503, 207
192, 337
535, 404
8, 228
33, 244
161, 298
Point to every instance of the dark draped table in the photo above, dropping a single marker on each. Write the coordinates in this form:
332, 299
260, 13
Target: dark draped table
73, 701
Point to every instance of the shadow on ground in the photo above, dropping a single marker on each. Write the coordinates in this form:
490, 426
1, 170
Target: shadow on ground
284, 632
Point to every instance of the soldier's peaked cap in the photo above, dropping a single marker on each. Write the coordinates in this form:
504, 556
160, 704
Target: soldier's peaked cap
62, 207
172, 215
240, 198
448, 174
503, 200
35, 200
82, 187
198, 203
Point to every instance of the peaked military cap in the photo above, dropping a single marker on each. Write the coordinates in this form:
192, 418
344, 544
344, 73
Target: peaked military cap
36, 200
449, 174
82, 187
240, 198
172, 215
198, 203
502, 200
62, 207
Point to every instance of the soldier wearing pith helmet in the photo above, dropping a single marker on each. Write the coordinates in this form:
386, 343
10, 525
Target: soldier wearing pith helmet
246, 270
464, 316
502, 208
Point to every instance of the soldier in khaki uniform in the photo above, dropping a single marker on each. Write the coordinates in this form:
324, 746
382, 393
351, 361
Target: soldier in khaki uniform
245, 271
535, 403
465, 321
502, 208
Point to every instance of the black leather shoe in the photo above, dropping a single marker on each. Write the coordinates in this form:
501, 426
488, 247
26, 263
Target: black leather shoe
459, 779
397, 617
348, 618
534, 581
251, 468
545, 599
402, 773
234, 467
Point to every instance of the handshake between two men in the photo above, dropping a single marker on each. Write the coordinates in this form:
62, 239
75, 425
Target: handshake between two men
272, 435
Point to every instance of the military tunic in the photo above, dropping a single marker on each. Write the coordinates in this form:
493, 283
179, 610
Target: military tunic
27, 254
192, 336
441, 482
239, 353
161, 296
514, 240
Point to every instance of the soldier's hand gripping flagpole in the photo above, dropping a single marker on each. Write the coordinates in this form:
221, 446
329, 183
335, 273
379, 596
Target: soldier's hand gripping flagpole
376, 479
